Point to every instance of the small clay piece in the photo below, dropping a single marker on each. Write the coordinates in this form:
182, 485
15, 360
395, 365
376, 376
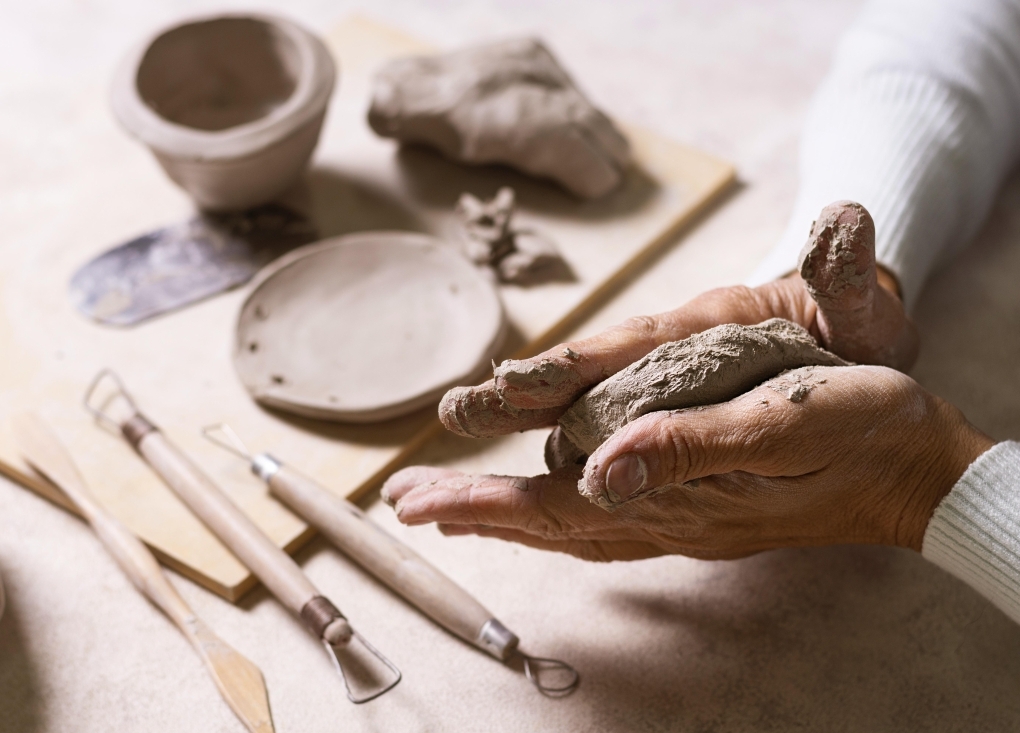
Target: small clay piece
709, 367
508, 102
796, 384
519, 256
486, 226
366, 327
230, 105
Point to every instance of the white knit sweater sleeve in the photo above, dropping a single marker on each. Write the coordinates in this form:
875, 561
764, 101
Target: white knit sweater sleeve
919, 120
975, 531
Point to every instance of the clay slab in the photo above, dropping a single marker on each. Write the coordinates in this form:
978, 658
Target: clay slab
366, 327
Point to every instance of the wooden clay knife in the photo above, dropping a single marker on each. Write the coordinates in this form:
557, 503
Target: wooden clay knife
239, 681
274, 567
398, 566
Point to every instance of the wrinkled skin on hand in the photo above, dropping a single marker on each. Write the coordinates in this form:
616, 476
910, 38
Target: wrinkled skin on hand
865, 457
859, 318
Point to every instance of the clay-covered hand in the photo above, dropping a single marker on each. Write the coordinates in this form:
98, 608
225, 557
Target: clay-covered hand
847, 303
865, 457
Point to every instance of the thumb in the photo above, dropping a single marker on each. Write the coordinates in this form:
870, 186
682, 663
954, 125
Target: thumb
661, 449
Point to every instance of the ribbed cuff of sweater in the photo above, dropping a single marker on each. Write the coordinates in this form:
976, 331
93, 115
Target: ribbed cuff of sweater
902, 145
974, 533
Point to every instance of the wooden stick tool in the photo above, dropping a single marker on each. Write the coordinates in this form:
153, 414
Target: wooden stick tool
398, 566
365, 675
239, 681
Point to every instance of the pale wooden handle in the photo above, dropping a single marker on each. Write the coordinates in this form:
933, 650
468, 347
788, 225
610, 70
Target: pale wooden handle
392, 562
271, 565
141, 567
43, 449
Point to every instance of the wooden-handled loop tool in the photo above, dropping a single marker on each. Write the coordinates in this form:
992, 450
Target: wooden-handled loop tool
274, 567
238, 680
396, 565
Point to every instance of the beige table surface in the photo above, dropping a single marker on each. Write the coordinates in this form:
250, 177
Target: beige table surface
839, 639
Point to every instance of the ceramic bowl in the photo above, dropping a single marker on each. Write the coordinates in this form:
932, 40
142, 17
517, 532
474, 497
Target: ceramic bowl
230, 105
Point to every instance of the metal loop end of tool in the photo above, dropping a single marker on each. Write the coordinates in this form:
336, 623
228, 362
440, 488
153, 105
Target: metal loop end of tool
135, 427
535, 668
320, 615
335, 653
223, 436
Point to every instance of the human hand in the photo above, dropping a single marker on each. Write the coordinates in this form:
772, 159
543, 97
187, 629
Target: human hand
847, 303
865, 457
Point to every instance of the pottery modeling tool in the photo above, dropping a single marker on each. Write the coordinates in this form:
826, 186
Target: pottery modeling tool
274, 567
239, 681
395, 564
182, 263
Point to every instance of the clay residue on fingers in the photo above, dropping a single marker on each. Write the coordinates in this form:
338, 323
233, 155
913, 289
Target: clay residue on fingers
707, 368
478, 412
838, 261
530, 383
796, 384
857, 317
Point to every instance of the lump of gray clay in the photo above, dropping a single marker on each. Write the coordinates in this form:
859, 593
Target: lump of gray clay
519, 256
508, 102
707, 368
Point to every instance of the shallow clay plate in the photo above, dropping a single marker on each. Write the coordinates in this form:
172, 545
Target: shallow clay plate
366, 327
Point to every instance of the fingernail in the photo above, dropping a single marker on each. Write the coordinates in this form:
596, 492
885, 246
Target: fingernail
627, 475
385, 496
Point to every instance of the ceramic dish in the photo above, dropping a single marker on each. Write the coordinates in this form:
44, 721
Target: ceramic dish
230, 105
366, 327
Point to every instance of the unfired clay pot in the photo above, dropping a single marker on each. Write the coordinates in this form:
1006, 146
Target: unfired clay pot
230, 105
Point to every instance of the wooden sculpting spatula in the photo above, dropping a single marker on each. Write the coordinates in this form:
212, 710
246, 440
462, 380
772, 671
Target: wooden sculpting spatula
239, 681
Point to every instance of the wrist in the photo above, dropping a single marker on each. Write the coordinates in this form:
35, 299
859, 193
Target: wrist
937, 475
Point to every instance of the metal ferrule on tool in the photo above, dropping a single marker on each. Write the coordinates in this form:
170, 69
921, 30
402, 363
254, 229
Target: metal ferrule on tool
497, 640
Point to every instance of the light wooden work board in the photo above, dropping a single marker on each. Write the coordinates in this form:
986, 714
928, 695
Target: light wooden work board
105, 189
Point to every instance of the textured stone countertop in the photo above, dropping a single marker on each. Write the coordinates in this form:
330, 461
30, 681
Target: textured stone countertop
836, 639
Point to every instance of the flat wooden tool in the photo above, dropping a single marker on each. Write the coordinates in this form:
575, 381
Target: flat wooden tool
180, 364
238, 680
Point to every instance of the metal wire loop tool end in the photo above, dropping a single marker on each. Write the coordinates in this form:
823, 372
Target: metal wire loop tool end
551, 677
349, 651
119, 393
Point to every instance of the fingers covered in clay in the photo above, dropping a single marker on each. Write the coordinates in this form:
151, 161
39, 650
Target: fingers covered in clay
857, 318
529, 393
706, 368
814, 456
478, 412
676, 449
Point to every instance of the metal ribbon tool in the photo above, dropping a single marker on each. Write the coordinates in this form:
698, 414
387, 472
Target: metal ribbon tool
274, 567
398, 566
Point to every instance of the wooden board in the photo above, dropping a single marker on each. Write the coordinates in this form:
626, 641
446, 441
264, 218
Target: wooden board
103, 189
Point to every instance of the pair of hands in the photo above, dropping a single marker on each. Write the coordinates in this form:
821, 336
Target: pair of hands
865, 457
